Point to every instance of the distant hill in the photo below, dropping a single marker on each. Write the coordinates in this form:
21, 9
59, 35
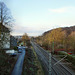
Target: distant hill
67, 29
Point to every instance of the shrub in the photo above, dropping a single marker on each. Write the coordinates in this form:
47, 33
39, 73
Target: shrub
15, 48
71, 58
62, 53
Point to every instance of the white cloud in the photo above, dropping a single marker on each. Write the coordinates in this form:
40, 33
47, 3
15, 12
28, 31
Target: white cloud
60, 10
31, 31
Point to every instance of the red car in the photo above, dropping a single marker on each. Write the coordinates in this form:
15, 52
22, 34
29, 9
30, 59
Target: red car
69, 52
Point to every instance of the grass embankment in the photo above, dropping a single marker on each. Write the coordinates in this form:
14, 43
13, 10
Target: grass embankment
32, 65
6, 63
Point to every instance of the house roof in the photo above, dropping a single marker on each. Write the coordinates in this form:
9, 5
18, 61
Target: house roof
4, 28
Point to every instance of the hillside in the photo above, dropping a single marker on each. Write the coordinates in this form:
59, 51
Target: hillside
67, 29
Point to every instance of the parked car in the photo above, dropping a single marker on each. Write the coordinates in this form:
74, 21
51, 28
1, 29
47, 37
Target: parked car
13, 54
19, 51
19, 47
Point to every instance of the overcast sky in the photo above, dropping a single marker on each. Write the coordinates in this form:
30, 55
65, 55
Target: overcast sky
37, 16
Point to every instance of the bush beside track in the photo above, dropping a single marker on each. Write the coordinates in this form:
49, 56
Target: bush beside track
70, 58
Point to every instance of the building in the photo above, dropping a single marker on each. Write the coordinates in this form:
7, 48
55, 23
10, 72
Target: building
4, 37
13, 42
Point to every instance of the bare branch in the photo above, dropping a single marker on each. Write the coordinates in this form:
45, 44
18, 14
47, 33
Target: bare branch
5, 15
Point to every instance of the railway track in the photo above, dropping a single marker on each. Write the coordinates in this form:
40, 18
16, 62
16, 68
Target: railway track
43, 56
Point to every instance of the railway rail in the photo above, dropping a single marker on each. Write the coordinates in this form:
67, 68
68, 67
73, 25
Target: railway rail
43, 56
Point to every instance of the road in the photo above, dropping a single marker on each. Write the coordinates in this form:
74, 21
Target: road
19, 64
57, 69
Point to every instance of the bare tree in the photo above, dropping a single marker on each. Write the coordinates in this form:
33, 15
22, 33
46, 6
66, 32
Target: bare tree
6, 21
25, 38
5, 15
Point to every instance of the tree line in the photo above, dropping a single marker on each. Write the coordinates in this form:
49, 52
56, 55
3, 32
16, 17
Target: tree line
59, 39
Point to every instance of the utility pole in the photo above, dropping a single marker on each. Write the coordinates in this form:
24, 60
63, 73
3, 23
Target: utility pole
50, 73
50, 65
53, 47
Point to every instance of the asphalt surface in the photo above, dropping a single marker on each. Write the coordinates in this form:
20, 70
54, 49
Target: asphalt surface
19, 64
57, 69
